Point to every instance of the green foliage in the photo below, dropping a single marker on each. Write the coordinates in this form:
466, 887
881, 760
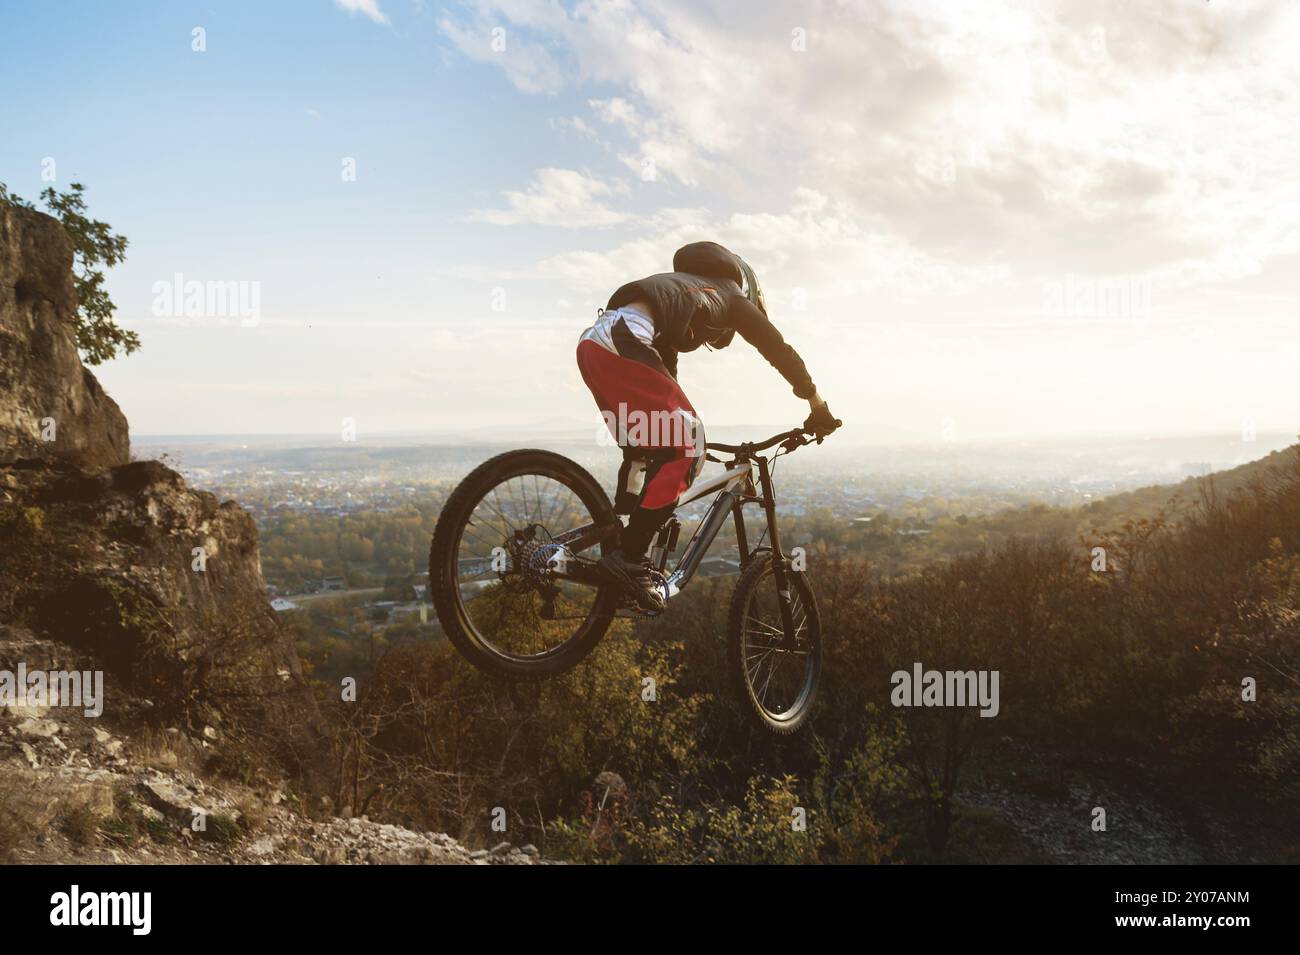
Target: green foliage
15, 519
129, 824
221, 829
158, 830
12, 831
235, 763
80, 825
1145, 660
129, 612
93, 244
760, 829
371, 548
777, 820
13, 199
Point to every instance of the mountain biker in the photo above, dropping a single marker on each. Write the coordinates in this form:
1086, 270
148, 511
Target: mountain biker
628, 360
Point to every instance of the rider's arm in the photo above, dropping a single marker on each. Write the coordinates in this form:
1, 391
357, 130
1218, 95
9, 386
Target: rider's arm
746, 318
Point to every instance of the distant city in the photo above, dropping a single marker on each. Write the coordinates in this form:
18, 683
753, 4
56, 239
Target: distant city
272, 475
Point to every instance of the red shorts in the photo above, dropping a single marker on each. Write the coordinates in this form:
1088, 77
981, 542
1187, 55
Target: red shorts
644, 407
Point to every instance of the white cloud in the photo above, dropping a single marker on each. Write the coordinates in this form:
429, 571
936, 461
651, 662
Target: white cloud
557, 197
816, 246
578, 125
909, 184
529, 65
1146, 136
368, 8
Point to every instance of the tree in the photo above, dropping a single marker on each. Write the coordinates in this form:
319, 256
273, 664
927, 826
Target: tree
99, 338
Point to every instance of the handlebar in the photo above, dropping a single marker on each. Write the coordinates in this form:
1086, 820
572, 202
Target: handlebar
749, 447
794, 438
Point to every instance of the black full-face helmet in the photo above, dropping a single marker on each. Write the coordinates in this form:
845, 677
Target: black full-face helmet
715, 261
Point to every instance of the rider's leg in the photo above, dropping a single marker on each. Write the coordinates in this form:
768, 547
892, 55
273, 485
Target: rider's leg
644, 407
642, 526
629, 566
664, 487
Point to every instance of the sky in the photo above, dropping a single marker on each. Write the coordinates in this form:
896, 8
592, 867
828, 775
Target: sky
973, 220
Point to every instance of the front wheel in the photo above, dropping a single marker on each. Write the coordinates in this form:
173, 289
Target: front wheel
775, 673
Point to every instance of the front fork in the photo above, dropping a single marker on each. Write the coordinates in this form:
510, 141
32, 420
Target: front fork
780, 566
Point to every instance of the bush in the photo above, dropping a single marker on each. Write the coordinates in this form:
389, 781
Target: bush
1145, 659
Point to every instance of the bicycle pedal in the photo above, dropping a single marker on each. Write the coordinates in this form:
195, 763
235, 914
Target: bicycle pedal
629, 610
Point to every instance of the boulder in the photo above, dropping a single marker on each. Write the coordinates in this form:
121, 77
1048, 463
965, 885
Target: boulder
37, 797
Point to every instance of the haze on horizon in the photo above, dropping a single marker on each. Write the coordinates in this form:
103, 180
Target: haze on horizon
980, 220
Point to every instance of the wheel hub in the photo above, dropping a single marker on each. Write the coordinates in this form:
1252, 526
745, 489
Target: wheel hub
531, 556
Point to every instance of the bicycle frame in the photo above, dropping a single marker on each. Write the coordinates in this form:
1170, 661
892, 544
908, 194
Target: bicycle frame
731, 486
736, 488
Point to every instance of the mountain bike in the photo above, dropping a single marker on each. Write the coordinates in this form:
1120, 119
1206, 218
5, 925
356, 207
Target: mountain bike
512, 572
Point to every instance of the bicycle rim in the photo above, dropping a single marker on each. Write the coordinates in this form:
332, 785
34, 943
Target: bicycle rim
510, 601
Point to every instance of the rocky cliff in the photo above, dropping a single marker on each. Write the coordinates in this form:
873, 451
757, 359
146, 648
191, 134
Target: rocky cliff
51, 408
121, 559
118, 571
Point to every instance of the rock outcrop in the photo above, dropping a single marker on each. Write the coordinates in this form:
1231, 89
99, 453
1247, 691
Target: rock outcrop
121, 559
162, 585
117, 566
51, 408
205, 739
106, 790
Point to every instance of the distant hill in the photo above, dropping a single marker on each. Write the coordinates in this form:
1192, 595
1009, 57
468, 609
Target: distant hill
1147, 501
953, 536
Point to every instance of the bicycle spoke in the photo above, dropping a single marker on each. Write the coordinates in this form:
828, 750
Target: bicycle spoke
525, 611
560, 504
529, 514
511, 522
486, 544
778, 665
775, 631
771, 671
505, 520
489, 523
759, 665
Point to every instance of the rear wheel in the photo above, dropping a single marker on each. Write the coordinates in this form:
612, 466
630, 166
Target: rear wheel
499, 568
775, 674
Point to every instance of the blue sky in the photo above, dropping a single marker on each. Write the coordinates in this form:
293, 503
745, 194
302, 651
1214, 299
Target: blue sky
919, 186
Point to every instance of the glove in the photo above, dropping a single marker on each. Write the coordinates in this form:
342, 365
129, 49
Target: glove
821, 422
